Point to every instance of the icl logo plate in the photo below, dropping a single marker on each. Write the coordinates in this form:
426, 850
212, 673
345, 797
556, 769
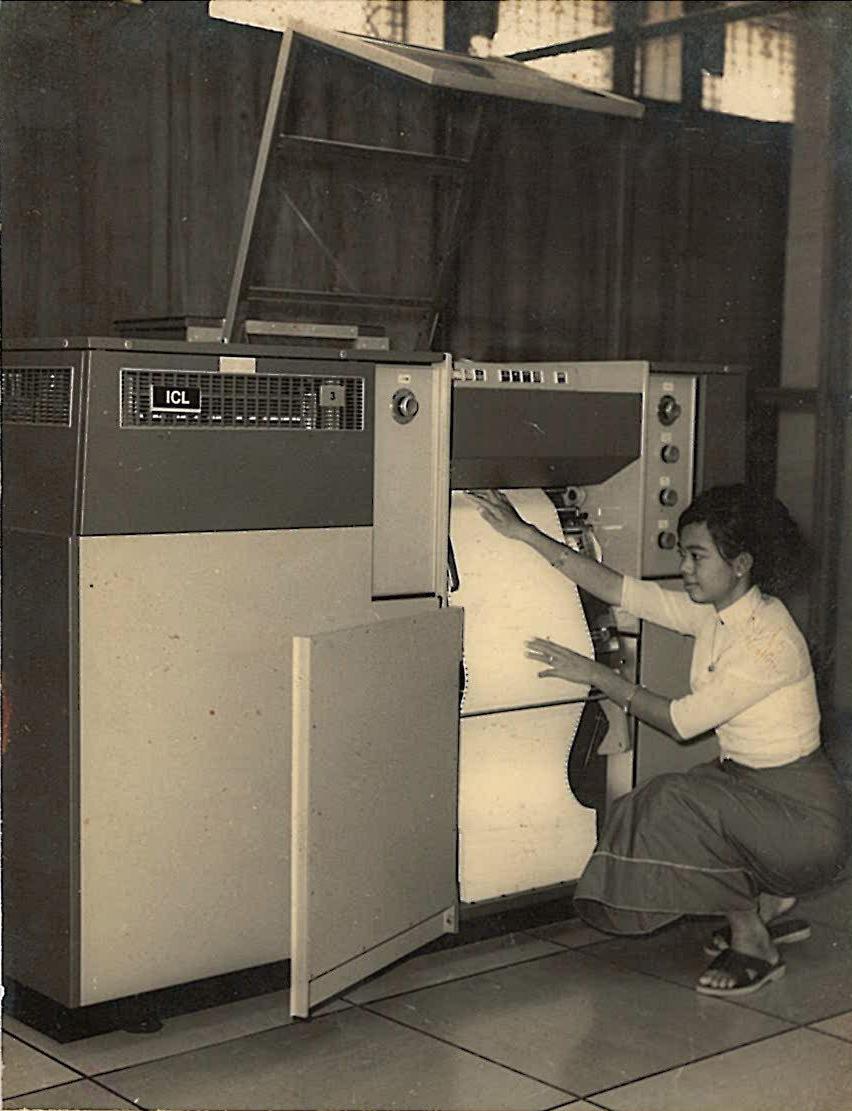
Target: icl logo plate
175, 399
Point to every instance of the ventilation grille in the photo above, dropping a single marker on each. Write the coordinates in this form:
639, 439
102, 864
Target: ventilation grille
270, 401
37, 395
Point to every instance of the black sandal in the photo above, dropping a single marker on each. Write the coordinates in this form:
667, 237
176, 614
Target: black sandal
750, 973
783, 932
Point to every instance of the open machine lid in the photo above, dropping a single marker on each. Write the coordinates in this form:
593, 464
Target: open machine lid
371, 163
441, 68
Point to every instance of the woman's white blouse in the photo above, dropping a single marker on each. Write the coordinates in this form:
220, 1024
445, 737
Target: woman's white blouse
751, 674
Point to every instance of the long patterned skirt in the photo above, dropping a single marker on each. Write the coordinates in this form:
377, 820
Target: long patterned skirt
710, 840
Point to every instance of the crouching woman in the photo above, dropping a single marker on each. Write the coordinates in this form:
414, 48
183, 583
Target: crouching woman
742, 836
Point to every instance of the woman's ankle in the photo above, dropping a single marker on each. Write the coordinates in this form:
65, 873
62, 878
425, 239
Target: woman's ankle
772, 906
750, 935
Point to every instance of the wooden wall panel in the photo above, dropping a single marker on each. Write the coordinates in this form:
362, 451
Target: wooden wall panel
40, 174
537, 261
129, 137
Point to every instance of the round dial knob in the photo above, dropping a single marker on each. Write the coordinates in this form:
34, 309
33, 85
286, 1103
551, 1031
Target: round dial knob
667, 540
405, 406
668, 496
670, 453
668, 410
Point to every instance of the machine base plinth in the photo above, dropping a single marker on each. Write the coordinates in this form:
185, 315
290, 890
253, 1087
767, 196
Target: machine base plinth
137, 1014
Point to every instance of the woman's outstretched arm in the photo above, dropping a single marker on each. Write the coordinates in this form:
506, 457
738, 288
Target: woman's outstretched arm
594, 577
564, 663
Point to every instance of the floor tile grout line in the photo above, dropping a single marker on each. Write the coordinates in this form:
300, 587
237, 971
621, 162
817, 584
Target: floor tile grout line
471, 1052
48, 1055
580, 1099
112, 1092
694, 1061
457, 979
53, 1087
828, 1033
214, 1045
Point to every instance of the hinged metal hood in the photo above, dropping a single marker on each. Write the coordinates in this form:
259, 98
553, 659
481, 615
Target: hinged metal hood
440, 68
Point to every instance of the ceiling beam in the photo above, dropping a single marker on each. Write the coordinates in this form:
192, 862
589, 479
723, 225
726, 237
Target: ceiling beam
708, 19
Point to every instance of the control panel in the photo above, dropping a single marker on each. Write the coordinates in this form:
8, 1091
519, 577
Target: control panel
639, 498
669, 453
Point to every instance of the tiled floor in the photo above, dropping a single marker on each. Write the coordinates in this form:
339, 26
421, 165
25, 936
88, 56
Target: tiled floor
557, 1017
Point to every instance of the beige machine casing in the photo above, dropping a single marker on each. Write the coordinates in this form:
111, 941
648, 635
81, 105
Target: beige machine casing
207, 665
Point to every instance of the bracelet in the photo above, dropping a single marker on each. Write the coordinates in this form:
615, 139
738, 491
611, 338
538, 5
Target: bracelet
626, 704
561, 560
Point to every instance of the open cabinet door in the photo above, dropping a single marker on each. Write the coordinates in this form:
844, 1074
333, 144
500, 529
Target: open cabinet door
375, 794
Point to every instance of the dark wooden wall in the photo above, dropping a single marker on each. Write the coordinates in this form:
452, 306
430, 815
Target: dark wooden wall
701, 259
129, 134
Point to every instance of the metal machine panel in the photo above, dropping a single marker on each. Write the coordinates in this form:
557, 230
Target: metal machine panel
375, 785
410, 484
670, 406
41, 415
151, 476
544, 437
40, 901
185, 743
664, 668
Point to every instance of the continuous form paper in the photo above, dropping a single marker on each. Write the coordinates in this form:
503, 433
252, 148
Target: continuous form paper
520, 828
510, 595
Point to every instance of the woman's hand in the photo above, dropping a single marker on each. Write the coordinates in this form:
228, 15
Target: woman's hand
499, 512
562, 663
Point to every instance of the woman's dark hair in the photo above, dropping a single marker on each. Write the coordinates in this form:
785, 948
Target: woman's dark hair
740, 521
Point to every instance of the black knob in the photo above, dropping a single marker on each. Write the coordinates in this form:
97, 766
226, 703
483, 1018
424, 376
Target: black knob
667, 540
404, 406
668, 410
670, 453
668, 496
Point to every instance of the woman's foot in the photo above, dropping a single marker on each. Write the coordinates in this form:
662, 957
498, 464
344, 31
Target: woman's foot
738, 974
749, 938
